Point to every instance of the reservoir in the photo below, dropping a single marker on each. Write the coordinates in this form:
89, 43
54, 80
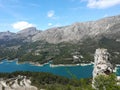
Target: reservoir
66, 71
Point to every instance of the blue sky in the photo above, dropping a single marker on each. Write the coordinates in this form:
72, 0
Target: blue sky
16, 15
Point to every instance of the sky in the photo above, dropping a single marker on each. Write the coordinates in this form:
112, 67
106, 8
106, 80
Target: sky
16, 15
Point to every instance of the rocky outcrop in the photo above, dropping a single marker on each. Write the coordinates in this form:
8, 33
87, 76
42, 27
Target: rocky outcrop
27, 34
7, 35
101, 63
17, 83
102, 66
31, 31
24, 35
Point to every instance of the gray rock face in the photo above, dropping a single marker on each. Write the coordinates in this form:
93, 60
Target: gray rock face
31, 31
6, 35
27, 33
107, 27
24, 35
18, 83
102, 66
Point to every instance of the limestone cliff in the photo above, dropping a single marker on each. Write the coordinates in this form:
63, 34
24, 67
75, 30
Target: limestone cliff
102, 64
17, 83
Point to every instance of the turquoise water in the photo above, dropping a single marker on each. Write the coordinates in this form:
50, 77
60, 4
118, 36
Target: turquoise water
77, 71
118, 71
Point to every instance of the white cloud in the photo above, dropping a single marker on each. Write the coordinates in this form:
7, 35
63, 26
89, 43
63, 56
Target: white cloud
51, 13
76, 8
57, 25
54, 25
34, 5
106, 15
21, 25
102, 3
50, 24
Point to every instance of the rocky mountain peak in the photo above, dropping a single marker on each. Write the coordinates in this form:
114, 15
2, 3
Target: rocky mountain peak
27, 33
6, 35
30, 31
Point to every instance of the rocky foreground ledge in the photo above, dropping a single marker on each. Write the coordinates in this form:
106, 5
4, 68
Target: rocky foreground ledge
17, 83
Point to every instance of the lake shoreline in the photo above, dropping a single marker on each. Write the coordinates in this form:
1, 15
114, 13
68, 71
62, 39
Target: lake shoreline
59, 65
51, 65
69, 65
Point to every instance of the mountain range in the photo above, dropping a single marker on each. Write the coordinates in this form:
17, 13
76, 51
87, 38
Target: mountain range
108, 27
62, 44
